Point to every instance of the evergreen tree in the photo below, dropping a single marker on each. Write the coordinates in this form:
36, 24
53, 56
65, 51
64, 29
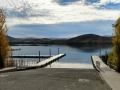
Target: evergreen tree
4, 45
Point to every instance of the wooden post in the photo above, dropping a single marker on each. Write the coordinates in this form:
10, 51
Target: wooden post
106, 57
58, 54
50, 51
27, 62
58, 50
24, 62
39, 55
19, 62
16, 63
100, 52
11, 52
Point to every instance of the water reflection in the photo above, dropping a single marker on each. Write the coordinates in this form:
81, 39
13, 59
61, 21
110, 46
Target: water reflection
70, 65
74, 54
91, 48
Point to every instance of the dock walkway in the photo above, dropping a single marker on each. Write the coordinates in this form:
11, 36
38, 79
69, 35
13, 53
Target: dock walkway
111, 77
30, 56
43, 63
40, 64
50, 60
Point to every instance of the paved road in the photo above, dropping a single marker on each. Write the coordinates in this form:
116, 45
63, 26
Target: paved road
52, 79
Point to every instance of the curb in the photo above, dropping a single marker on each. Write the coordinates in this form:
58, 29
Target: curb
12, 69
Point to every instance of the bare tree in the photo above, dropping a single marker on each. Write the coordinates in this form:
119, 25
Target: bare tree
4, 45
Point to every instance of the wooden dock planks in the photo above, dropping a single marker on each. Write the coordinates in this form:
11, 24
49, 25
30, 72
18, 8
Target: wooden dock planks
30, 56
43, 63
50, 60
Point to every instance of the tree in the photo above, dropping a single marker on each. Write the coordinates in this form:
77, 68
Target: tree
4, 45
116, 47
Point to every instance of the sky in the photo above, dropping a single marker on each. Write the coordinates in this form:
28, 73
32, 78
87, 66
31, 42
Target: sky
60, 18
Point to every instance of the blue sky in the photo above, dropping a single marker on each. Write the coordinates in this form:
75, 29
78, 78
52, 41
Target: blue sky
60, 18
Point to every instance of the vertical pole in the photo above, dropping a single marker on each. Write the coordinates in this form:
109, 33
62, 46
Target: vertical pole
39, 55
58, 54
32, 62
50, 51
19, 62
16, 63
100, 52
24, 62
106, 57
27, 63
58, 50
11, 52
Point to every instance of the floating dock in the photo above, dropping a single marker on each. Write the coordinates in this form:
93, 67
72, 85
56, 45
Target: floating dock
50, 60
30, 56
43, 63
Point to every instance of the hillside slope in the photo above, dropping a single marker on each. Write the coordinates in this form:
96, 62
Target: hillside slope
90, 38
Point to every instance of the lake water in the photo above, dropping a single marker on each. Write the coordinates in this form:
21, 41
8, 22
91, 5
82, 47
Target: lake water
76, 57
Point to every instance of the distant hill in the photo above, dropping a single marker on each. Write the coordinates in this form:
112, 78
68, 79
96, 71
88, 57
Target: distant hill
85, 37
10, 38
79, 40
90, 38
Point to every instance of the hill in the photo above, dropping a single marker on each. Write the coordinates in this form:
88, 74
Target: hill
10, 38
79, 40
90, 39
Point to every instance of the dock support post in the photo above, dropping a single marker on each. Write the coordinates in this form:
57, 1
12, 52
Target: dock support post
50, 51
39, 55
11, 52
106, 57
100, 52
58, 50
58, 54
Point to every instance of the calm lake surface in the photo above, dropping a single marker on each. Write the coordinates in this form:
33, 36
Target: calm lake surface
76, 57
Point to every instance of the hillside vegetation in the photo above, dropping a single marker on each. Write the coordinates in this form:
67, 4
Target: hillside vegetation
79, 40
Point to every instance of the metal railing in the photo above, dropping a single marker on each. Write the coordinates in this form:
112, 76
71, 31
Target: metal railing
21, 63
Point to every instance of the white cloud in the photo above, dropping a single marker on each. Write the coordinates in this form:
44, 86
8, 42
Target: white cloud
109, 1
47, 12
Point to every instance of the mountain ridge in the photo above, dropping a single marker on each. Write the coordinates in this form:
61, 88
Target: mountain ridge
85, 38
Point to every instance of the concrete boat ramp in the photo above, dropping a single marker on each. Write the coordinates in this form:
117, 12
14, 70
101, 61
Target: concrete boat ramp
61, 78
52, 79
